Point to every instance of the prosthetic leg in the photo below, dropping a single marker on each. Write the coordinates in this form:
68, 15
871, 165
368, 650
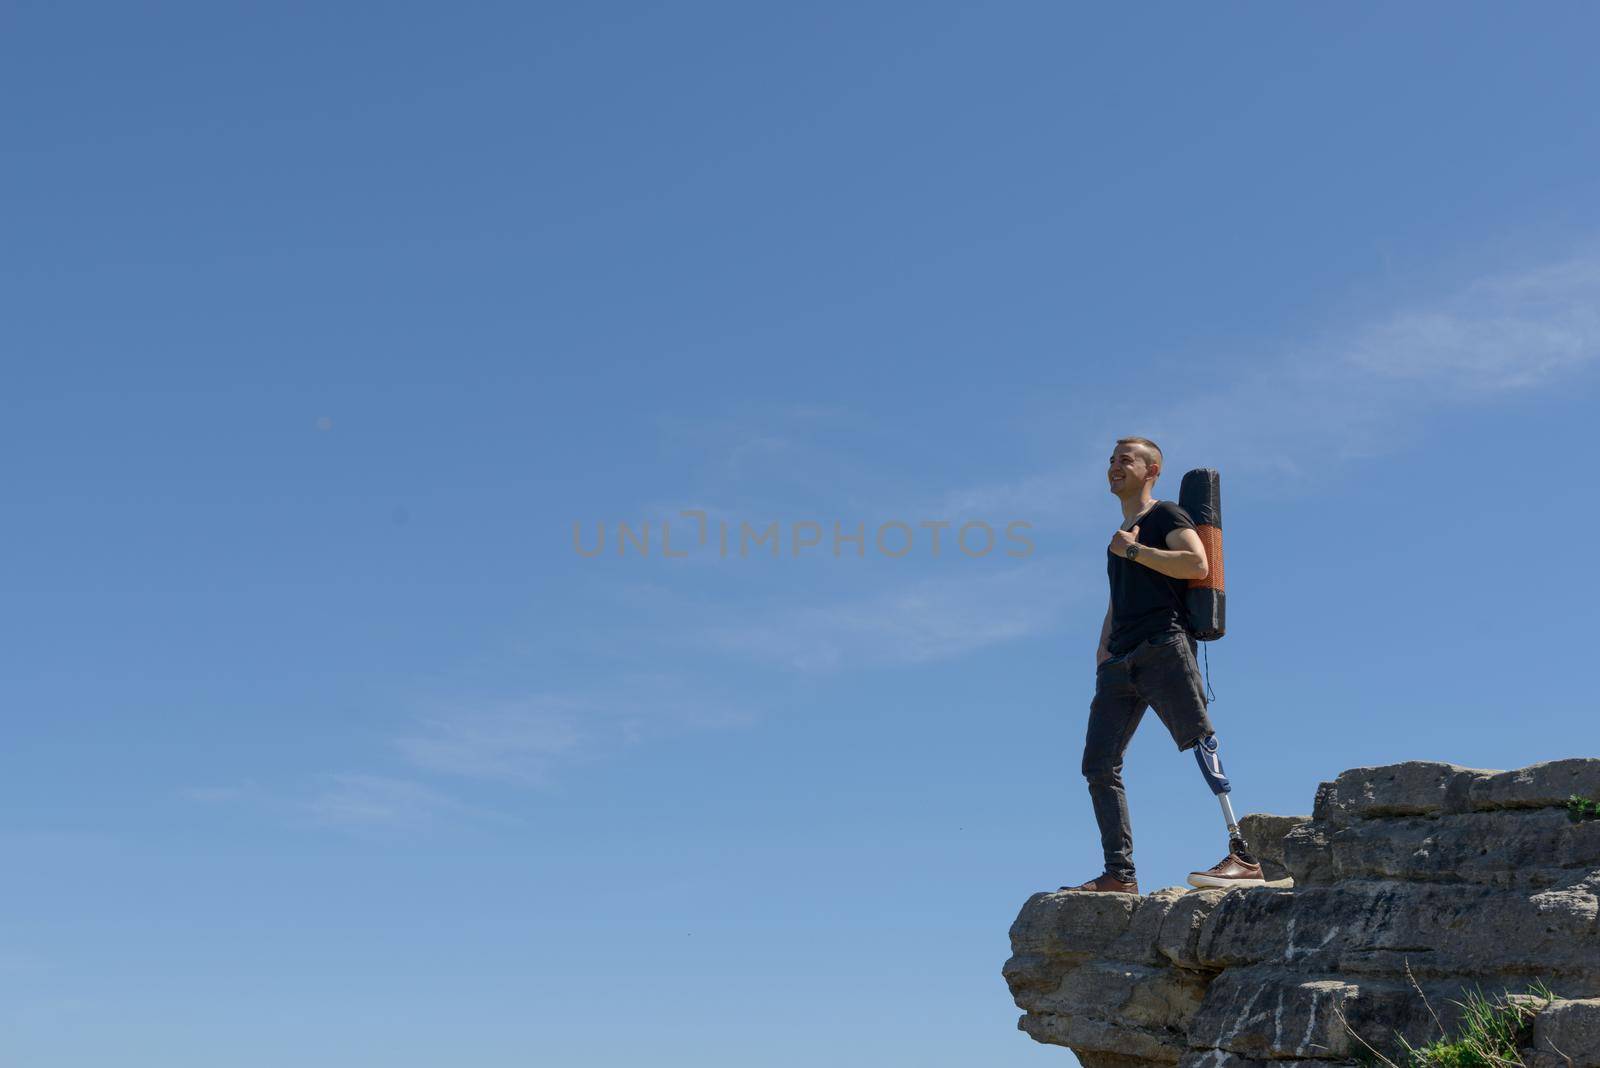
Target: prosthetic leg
1207, 756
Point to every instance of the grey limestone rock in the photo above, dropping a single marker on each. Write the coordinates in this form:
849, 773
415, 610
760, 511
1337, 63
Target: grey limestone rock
1567, 1029
1265, 835
1414, 886
1537, 785
1413, 788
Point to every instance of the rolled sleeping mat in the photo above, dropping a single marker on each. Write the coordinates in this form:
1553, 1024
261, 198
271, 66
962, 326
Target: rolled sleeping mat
1207, 600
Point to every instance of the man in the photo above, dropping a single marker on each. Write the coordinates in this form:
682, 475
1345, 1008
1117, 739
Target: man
1146, 659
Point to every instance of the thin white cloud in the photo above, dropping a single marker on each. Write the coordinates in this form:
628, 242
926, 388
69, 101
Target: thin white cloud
1361, 393
221, 795
516, 741
525, 741
53, 1013
519, 743
1510, 332
363, 802
926, 620
1051, 497
354, 802
1352, 395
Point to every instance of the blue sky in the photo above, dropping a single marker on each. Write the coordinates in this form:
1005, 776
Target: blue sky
323, 325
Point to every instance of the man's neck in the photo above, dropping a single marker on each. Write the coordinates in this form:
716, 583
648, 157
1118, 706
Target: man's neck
1134, 507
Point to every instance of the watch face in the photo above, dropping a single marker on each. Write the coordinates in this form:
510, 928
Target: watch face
1133, 551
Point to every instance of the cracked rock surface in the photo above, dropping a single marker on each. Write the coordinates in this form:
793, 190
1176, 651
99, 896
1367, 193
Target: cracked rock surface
1413, 886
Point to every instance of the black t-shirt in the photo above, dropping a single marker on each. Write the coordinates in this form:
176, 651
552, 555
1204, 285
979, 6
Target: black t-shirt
1144, 602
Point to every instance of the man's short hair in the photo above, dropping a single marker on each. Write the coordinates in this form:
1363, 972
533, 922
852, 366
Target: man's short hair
1152, 451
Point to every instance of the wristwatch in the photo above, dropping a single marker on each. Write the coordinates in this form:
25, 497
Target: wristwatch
1133, 552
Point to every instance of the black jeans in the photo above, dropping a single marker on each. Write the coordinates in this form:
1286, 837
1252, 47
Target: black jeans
1160, 674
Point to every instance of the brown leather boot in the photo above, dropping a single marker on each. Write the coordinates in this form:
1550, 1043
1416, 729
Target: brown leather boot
1107, 884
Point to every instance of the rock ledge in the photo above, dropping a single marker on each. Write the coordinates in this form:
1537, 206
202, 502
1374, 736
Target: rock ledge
1409, 886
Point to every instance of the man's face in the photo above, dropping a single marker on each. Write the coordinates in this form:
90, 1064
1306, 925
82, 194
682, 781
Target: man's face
1129, 472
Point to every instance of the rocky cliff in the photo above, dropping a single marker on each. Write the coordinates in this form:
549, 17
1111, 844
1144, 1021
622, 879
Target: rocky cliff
1409, 887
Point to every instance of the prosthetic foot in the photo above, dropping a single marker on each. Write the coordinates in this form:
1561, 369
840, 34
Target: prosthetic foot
1231, 870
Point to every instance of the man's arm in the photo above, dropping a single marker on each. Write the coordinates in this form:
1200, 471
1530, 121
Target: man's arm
1102, 654
1184, 557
